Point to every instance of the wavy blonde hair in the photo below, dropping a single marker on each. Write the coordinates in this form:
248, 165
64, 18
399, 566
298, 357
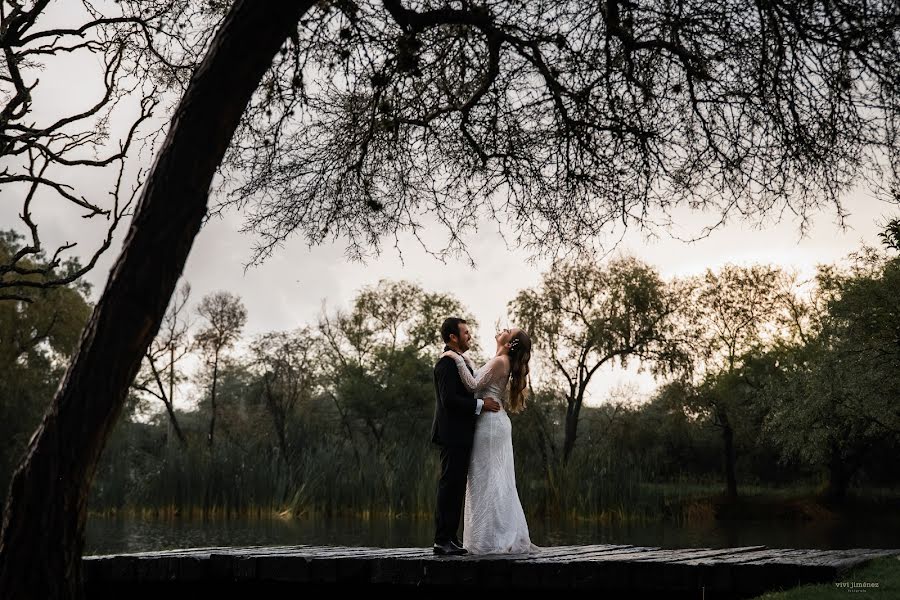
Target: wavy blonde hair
519, 355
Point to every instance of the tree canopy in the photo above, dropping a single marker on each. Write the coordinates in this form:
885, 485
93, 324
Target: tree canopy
567, 120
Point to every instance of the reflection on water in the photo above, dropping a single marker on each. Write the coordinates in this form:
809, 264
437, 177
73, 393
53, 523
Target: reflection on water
117, 535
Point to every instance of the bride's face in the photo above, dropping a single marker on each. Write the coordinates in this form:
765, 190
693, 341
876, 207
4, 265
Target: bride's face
504, 336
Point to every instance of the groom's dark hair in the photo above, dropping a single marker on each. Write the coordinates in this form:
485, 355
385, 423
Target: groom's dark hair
451, 326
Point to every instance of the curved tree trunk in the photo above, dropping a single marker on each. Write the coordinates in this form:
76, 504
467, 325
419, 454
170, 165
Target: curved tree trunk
838, 482
841, 469
212, 399
571, 432
573, 410
43, 526
731, 491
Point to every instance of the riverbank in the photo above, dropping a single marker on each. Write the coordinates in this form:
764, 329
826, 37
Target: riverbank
878, 579
774, 520
678, 503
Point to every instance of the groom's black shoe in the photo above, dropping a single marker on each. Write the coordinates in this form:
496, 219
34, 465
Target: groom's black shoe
449, 549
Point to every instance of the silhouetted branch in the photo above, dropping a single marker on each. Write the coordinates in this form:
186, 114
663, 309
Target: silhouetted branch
142, 51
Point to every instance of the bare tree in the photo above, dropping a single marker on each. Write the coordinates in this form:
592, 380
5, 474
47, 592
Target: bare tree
159, 373
568, 120
368, 116
225, 318
44, 152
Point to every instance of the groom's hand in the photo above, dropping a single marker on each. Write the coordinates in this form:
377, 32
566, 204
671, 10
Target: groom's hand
491, 405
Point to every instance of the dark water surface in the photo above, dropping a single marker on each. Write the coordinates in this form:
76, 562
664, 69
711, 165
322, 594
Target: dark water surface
107, 535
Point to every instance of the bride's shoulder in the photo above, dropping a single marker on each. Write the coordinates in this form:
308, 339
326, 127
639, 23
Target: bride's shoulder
501, 360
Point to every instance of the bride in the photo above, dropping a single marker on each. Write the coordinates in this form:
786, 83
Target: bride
494, 520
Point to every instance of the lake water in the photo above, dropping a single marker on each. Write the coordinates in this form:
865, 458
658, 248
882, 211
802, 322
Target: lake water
117, 535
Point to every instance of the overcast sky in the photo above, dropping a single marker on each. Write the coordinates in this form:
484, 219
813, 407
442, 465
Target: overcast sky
289, 289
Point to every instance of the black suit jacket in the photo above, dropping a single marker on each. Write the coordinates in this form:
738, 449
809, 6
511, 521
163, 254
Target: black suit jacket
454, 411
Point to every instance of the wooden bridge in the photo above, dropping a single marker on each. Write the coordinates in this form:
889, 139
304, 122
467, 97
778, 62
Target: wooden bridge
624, 571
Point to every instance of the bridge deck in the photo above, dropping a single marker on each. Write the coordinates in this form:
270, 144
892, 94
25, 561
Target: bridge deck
631, 570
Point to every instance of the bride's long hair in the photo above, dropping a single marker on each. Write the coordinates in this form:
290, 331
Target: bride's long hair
519, 355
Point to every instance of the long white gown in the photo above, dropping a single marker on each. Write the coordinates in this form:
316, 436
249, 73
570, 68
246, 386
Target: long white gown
494, 521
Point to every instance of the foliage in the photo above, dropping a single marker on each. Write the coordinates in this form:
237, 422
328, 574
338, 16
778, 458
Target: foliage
224, 316
332, 418
566, 120
735, 313
883, 571
285, 363
835, 402
585, 315
36, 338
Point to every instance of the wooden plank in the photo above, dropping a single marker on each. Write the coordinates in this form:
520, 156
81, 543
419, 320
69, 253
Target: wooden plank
733, 557
755, 578
552, 553
614, 568
112, 568
684, 554
667, 570
618, 555
594, 551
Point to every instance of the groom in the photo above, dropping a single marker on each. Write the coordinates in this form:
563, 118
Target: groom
453, 430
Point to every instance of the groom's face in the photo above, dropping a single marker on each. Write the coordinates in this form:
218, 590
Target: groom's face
463, 339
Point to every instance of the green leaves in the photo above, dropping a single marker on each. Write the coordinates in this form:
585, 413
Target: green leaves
36, 338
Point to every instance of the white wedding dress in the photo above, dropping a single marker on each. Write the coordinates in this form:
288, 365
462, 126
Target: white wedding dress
494, 521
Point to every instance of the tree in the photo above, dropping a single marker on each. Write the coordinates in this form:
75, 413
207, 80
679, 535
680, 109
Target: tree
225, 318
37, 336
377, 368
169, 346
391, 323
588, 114
536, 434
569, 120
128, 313
584, 316
735, 312
137, 46
402, 313
287, 363
836, 400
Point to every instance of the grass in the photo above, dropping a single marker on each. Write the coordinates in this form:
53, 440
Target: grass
342, 494
885, 572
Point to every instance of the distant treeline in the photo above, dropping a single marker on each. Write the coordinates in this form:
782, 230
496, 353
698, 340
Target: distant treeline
765, 380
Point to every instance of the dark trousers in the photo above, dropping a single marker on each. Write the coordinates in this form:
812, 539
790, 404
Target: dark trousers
451, 492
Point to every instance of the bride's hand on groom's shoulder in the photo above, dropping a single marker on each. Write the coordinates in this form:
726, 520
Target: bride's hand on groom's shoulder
449, 354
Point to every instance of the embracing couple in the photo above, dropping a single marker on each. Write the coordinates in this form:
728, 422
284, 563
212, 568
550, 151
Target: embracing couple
473, 431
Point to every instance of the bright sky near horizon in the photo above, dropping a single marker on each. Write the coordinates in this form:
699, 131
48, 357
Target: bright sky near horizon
289, 289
